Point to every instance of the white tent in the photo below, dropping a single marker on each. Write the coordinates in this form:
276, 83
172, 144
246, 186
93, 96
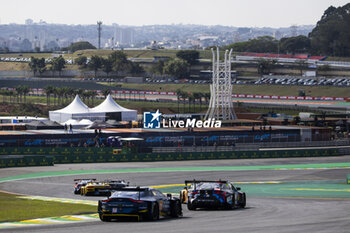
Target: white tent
76, 110
85, 122
110, 107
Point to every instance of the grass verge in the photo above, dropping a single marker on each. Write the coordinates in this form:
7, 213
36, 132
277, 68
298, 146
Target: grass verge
16, 209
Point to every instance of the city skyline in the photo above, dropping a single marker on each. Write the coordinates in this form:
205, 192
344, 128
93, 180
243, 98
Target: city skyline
251, 13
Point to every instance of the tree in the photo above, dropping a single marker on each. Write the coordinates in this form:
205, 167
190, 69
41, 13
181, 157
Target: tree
41, 66
107, 65
19, 93
93, 94
177, 68
184, 96
106, 92
81, 61
331, 35
135, 68
262, 44
37, 65
49, 90
191, 100
60, 93
207, 97
95, 63
198, 96
22, 91
33, 65
296, 44
25, 91
179, 95
83, 45
191, 56
58, 64
120, 61
158, 67
265, 66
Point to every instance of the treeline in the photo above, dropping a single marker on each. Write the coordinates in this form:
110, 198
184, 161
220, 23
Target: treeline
117, 61
330, 37
38, 65
60, 95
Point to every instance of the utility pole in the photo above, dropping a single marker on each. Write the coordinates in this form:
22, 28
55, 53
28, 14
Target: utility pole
99, 33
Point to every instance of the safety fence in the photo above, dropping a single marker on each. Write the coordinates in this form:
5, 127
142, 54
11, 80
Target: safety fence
15, 157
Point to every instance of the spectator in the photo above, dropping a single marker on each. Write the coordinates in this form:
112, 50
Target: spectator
70, 128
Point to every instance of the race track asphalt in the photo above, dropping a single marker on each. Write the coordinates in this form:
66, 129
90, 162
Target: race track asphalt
262, 214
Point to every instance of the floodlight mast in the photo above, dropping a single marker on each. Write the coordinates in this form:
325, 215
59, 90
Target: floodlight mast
220, 105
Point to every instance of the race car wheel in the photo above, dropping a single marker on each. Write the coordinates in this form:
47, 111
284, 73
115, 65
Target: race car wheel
190, 206
243, 204
154, 215
176, 210
104, 218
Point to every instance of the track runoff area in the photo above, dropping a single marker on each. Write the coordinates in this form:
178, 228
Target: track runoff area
283, 195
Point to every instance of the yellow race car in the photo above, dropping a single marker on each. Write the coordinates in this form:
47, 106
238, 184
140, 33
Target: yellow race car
102, 188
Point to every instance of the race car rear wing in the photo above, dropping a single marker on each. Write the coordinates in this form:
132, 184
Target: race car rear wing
194, 182
133, 189
87, 179
205, 181
116, 181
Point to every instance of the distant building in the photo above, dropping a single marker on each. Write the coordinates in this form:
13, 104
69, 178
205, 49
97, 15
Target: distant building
124, 36
29, 21
26, 46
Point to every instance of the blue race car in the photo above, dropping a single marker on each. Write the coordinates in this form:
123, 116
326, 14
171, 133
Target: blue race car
213, 194
140, 202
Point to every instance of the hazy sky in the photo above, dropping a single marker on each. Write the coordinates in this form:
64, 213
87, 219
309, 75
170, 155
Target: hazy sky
242, 13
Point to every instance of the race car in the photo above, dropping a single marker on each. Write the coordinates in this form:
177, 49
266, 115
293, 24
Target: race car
102, 188
212, 194
79, 183
142, 203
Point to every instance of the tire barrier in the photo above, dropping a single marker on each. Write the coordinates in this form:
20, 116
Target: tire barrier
108, 154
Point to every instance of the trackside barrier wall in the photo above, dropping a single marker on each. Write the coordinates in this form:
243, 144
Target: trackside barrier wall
96, 155
26, 161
